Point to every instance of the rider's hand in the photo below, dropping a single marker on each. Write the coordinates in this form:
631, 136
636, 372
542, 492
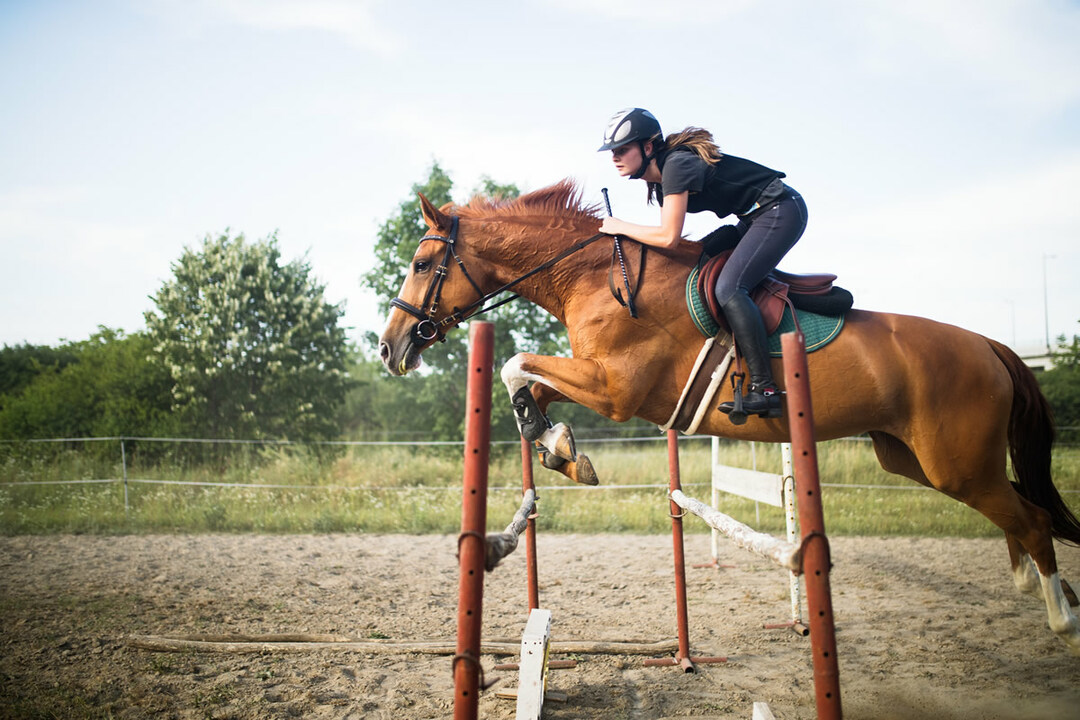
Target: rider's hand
611, 226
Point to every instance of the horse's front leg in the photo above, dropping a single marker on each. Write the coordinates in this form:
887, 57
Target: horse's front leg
555, 379
530, 413
577, 466
555, 442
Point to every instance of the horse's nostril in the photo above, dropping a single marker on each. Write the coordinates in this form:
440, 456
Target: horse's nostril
384, 351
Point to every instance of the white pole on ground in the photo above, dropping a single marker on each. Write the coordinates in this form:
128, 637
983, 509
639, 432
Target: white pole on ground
715, 499
762, 712
532, 670
792, 518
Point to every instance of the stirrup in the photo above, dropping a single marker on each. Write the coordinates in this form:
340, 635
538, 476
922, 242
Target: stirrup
763, 401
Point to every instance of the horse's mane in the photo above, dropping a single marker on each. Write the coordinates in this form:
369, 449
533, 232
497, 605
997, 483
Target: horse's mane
561, 200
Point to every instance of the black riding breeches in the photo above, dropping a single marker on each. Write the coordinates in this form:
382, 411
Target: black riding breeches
766, 237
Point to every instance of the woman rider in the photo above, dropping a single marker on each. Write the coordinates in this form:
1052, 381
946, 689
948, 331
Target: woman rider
686, 172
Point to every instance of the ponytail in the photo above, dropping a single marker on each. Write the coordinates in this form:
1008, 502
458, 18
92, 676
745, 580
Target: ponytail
694, 139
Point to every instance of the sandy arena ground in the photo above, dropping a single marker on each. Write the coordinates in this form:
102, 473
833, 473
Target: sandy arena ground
926, 628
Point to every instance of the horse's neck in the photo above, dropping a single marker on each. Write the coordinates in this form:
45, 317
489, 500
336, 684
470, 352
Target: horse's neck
514, 251
517, 251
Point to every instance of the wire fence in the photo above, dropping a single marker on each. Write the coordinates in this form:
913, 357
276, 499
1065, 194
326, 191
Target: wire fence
125, 441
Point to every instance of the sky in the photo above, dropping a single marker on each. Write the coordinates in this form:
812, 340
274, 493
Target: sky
937, 144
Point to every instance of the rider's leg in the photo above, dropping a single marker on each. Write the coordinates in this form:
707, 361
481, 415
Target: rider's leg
743, 316
765, 241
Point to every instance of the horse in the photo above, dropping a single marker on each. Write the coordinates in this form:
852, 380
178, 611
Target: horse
943, 406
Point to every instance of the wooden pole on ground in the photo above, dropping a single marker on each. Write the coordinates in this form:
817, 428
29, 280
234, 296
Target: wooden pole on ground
815, 545
471, 545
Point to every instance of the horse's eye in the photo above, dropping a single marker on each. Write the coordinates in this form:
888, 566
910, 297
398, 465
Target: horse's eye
421, 266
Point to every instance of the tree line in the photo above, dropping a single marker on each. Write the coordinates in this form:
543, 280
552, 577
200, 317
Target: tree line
242, 344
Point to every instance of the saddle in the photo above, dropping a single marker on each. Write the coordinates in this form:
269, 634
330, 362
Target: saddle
815, 293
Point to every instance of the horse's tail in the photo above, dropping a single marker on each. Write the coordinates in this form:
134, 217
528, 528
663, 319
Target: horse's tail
1031, 440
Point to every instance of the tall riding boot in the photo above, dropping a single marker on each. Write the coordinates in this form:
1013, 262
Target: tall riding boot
763, 397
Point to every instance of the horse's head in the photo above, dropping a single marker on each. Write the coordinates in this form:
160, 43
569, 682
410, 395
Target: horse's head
437, 287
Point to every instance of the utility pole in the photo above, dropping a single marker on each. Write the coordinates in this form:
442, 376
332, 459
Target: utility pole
1046, 303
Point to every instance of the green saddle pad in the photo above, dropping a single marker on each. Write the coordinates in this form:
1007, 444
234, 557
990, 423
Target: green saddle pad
819, 330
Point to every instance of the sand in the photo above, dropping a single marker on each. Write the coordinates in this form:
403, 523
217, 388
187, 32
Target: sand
926, 628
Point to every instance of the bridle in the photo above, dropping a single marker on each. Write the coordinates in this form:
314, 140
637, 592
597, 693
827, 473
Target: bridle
427, 328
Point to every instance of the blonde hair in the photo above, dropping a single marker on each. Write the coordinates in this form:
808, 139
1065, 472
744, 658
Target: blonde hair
698, 140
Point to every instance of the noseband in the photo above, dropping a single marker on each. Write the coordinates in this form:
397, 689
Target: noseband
427, 327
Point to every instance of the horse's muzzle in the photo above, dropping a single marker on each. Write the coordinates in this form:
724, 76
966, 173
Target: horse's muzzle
399, 357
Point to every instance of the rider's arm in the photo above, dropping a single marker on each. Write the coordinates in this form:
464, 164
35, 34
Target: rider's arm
672, 217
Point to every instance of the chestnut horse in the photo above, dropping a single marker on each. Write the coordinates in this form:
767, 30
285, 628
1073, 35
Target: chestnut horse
943, 406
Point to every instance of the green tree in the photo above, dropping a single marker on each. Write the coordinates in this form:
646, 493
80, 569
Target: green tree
1061, 385
251, 345
107, 387
20, 364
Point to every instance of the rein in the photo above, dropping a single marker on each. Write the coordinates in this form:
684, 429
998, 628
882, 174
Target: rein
428, 328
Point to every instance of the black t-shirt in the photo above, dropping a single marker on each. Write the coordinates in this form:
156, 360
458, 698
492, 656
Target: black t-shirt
731, 186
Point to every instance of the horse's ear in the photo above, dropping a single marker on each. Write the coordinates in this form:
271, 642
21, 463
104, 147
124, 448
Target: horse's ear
434, 217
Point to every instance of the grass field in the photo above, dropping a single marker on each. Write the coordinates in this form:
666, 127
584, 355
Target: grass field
413, 489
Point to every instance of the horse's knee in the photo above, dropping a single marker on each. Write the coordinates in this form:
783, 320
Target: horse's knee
513, 374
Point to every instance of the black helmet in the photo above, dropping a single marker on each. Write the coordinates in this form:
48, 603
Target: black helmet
629, 125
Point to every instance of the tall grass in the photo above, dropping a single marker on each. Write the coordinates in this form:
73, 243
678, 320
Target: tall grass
417, 489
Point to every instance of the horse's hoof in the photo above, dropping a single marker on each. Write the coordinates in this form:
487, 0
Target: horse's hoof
1074, 646
550, 460
583, 472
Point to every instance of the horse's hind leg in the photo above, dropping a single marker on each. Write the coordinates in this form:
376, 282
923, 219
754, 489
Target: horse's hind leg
1025, 574
897, 458
1026, 526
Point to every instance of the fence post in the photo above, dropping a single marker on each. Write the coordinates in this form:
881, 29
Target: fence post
123, 467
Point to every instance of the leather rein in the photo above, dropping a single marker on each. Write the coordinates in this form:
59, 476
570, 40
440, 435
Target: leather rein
427, 328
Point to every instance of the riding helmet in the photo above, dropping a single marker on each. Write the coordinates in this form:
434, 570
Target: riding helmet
630, 125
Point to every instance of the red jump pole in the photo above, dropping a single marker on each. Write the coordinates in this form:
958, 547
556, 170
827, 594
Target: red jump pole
683, 658
471, 542
815, 545
530, 530
675, 483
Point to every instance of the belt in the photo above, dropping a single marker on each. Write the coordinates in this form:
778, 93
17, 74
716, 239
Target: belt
776, 190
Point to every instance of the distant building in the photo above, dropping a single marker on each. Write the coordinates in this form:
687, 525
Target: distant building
1038, 359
